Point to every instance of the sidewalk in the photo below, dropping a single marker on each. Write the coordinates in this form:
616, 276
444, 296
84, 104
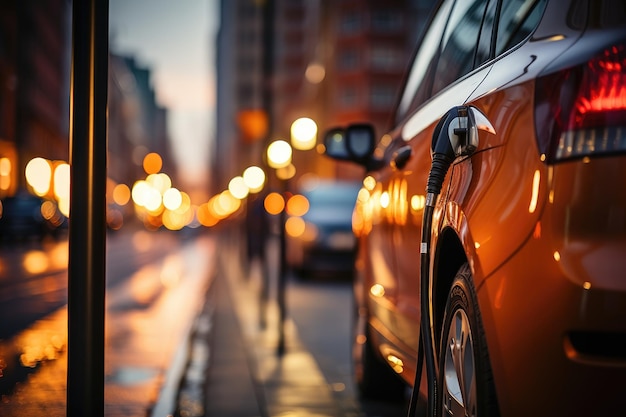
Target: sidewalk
245, 375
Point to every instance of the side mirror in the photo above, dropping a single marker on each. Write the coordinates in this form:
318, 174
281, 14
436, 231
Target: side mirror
336, 144
355, 143
361, 140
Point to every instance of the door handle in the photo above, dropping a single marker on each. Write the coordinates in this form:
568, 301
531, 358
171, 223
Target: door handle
401, 157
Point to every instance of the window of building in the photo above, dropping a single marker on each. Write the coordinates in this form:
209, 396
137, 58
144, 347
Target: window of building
387, 21
348, 97
384, 57
382, 97
348, 59
350, 23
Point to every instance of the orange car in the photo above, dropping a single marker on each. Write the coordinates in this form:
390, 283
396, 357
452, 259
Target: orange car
492, 220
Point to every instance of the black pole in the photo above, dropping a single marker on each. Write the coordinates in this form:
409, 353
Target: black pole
282, 274
87, 239
268, 78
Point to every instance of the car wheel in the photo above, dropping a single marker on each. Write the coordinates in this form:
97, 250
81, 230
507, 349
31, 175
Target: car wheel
374, 378
466, 380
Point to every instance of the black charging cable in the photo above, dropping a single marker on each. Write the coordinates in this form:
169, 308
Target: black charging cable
444, 151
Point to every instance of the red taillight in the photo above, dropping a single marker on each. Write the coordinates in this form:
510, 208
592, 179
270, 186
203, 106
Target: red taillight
581, 111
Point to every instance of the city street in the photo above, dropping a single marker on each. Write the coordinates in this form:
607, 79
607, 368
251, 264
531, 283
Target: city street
171, 344
156, 284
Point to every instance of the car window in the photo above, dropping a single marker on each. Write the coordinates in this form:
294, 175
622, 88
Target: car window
459, 43
518, 18
483, 51
417, 87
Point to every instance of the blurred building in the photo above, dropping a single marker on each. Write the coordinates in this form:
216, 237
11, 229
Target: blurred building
241, 118
35, 39
137, 123
35, 66
335, 62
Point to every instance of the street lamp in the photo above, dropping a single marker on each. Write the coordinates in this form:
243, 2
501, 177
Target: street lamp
279, 155
254, 178
256, 232
238, 188
303, 134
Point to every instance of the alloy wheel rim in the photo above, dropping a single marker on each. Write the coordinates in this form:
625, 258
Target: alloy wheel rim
459, 382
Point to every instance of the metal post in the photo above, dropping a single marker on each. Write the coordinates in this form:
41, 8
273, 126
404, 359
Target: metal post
282, 275
87, 239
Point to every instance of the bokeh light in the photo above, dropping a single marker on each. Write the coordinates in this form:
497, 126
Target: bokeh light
297, 205
62, 181
254, 178
172, 199
369, 182
274, 203
161, 182
238, 188
5, 173
185, 203
139, 192
35, 262
38, 175
295, 226
279, 154
315, 73
205, 216
152, 163
153, 200
287, 172
303, 133
121, 194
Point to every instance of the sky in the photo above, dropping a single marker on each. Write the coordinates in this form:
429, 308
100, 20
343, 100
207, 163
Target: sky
176, 41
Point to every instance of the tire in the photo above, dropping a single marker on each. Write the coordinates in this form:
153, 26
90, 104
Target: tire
466, 380
375, 380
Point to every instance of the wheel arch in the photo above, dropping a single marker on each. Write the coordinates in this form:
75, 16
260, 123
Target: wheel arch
448, 259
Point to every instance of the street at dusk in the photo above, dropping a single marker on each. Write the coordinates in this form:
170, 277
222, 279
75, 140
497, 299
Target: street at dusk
289, 208
156, 284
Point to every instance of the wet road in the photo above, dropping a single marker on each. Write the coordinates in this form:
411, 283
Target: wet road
155, 287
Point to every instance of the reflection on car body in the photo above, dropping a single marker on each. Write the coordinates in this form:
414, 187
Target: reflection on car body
522, 298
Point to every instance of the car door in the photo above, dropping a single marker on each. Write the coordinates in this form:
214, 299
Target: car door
506, 98
452, 81
384, 201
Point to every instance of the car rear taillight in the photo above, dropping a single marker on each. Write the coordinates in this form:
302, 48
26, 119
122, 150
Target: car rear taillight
581, 111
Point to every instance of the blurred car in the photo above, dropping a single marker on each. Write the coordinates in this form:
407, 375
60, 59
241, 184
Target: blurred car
321, 241
25, 217
493, 232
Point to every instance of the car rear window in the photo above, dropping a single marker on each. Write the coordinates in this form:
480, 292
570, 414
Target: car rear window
518, 18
